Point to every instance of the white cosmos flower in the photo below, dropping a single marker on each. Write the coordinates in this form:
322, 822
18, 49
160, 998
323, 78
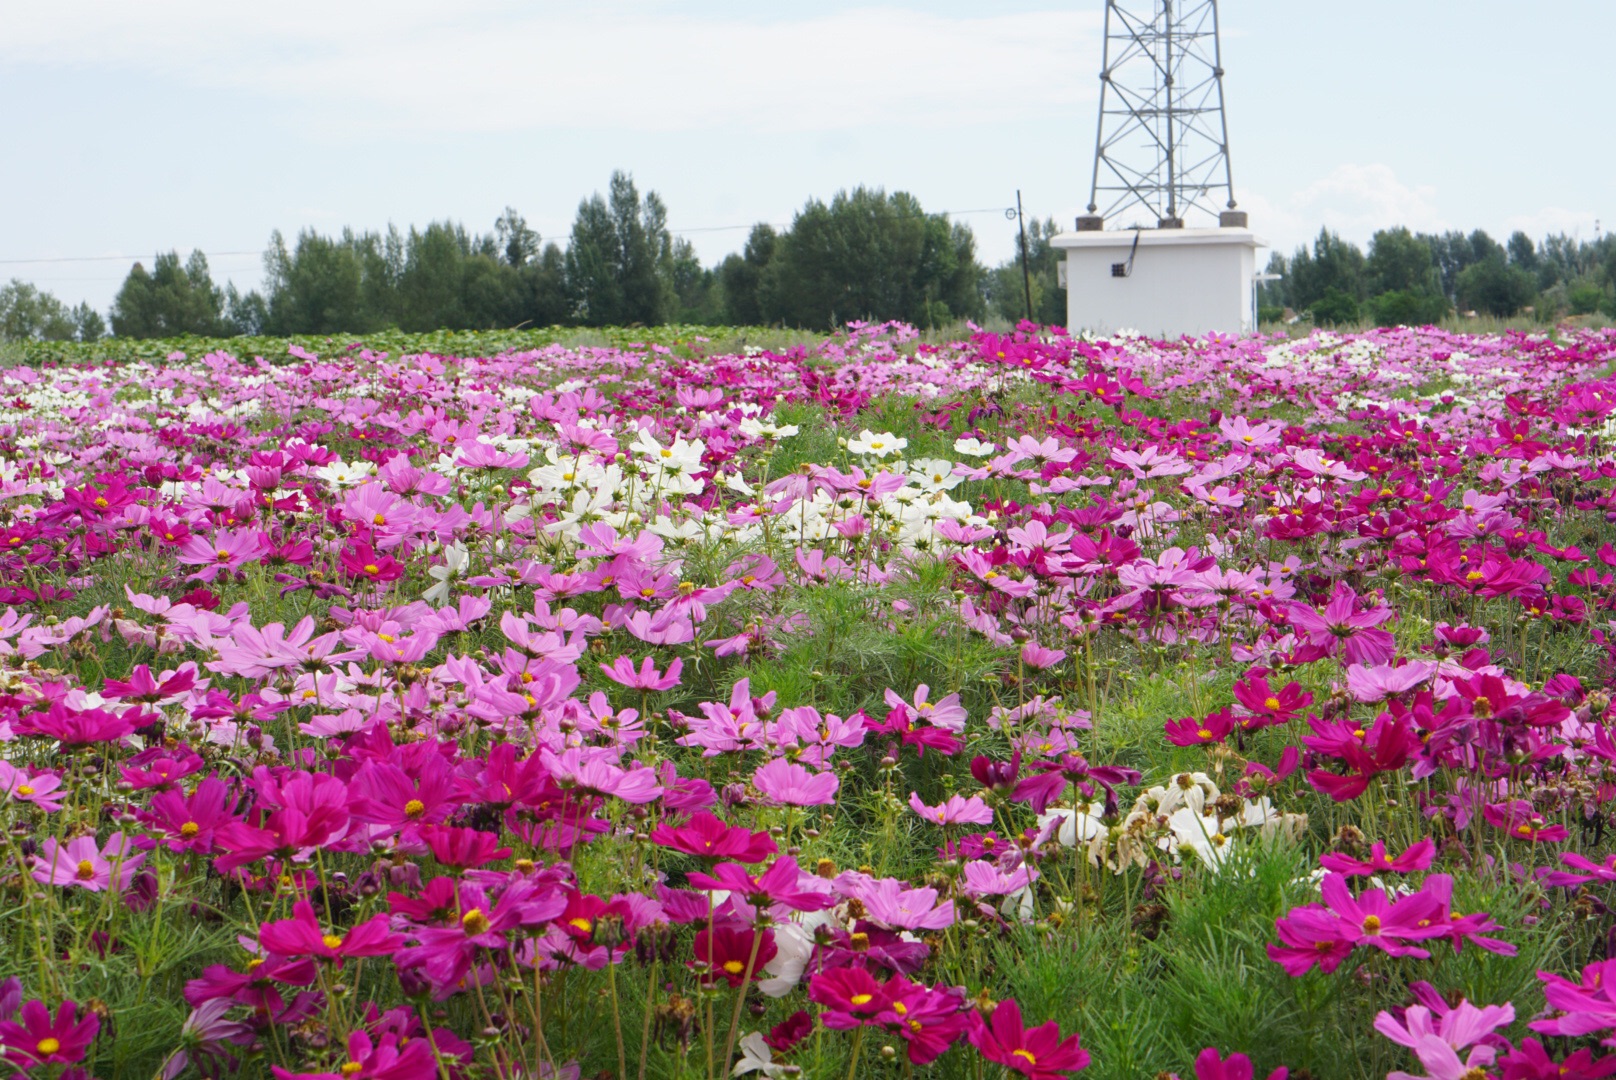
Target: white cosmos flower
456, 558
876, 444
757, 1057
973, 447
341, 474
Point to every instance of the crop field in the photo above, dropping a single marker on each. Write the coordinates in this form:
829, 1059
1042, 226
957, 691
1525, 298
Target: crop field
868, 706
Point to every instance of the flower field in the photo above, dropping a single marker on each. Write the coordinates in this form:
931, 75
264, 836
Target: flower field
1017, 706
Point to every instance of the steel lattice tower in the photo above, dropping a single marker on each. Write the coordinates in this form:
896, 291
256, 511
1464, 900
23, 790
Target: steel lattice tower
1161, 146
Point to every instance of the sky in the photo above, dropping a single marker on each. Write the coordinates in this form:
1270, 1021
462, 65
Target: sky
178, 124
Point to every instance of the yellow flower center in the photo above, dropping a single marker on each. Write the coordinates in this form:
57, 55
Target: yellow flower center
1475, 575
224, 556
379, 519
1203, 733
50, 1046
1026, 1055
86, 869
372, 568
414, 808
190, 829
475, 922
25, 790
582, 925
861, 999
734, 967
1371, 924
900, 1008
1271, 703
332, 941
350, 1067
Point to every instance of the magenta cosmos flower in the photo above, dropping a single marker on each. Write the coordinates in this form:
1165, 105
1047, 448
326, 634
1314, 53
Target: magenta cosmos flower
705, 837
301, 935
40, 1039
1211, 1065
1040, 1054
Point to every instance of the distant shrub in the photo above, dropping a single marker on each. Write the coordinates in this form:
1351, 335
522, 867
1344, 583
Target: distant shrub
1402, 308
1335, 308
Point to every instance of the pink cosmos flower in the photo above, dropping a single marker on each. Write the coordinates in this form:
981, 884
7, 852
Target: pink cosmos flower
786, 783
80, 863
1458, 1027
647, 677
1380, 681
596, 771
948, 713
982, 878
1035, 655
888, 902
1342, 627
43, 790
1587, 1007
227, 551
956, 810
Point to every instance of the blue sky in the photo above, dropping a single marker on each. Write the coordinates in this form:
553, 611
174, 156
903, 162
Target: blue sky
192, 123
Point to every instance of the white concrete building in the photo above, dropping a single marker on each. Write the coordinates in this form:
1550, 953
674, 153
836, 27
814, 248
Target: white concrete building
1162, 282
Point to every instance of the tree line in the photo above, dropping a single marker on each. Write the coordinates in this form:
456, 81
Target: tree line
1408, 277
865, 254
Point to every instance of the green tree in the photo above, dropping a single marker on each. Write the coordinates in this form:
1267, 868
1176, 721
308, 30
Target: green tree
1336, 308
742, 274
1403, 281
869, 255
171, 299
620, 264
518, 244
1276, 294
88, 324
1493, 287
26, 313
1007, 291
1334, 265
431, 289
317, 289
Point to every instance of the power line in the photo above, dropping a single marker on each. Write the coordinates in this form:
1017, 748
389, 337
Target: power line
559, 241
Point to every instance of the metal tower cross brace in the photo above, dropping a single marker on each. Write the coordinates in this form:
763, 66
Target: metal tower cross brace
1161, 147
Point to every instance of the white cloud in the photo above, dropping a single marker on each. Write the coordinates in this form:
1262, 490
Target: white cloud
498, 65
1554, 219
1352, 200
